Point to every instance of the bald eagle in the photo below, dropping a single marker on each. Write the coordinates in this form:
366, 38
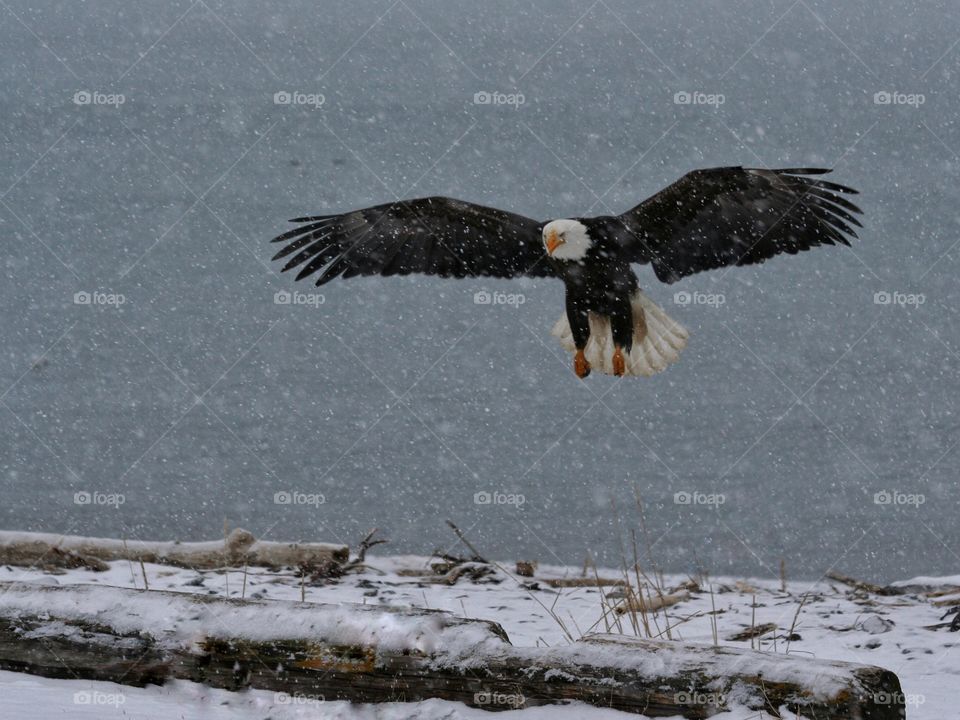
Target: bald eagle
708, 219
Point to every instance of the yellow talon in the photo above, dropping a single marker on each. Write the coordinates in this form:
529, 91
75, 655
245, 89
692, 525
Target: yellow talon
580, 365
619, 366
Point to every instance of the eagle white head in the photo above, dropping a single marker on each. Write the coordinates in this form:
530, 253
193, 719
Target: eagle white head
566, 239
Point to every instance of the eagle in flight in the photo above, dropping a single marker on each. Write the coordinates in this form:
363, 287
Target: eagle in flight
708, 219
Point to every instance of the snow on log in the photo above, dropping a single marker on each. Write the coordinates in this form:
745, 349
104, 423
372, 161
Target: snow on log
370, 653
239, 548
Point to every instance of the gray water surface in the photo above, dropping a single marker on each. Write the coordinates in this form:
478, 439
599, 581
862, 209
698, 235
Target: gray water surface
395, 401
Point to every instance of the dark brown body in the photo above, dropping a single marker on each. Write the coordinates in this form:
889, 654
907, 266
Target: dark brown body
603, 283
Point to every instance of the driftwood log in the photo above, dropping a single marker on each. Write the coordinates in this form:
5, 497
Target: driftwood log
365, 653
638, 603
239, 548
579, 582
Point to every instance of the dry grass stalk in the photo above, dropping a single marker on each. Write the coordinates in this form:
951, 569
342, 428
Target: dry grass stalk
713, 618
793, 624
143, 569
126, 552
604, 603
636, 572
477, 557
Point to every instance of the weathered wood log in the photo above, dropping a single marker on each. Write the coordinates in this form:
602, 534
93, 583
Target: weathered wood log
239, 548
946, 602
940, 592
859, 584
651, 603
450, 573
366, 653
887, 590
526, 568
579, 582
753, 632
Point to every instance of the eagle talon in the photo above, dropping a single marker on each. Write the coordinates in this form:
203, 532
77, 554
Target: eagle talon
580, 365
619, 365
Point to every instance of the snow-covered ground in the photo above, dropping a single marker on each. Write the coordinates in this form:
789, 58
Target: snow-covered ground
831, 620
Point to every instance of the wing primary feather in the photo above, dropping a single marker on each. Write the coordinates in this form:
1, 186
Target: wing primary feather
338, 267
823, 185
321, 241
839, 211
802, 171
832, 197
315, 264
299, 231
292, 247
837, 223
827, 185
312, 218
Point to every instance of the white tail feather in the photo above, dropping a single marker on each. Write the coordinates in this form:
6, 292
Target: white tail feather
662, 342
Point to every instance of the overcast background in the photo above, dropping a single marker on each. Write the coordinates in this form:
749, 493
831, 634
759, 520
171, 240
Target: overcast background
396, 400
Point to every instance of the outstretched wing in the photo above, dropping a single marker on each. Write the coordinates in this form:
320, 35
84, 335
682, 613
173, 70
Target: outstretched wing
735, 216
434, 235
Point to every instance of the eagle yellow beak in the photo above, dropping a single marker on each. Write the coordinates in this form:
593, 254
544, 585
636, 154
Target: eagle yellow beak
553, 242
